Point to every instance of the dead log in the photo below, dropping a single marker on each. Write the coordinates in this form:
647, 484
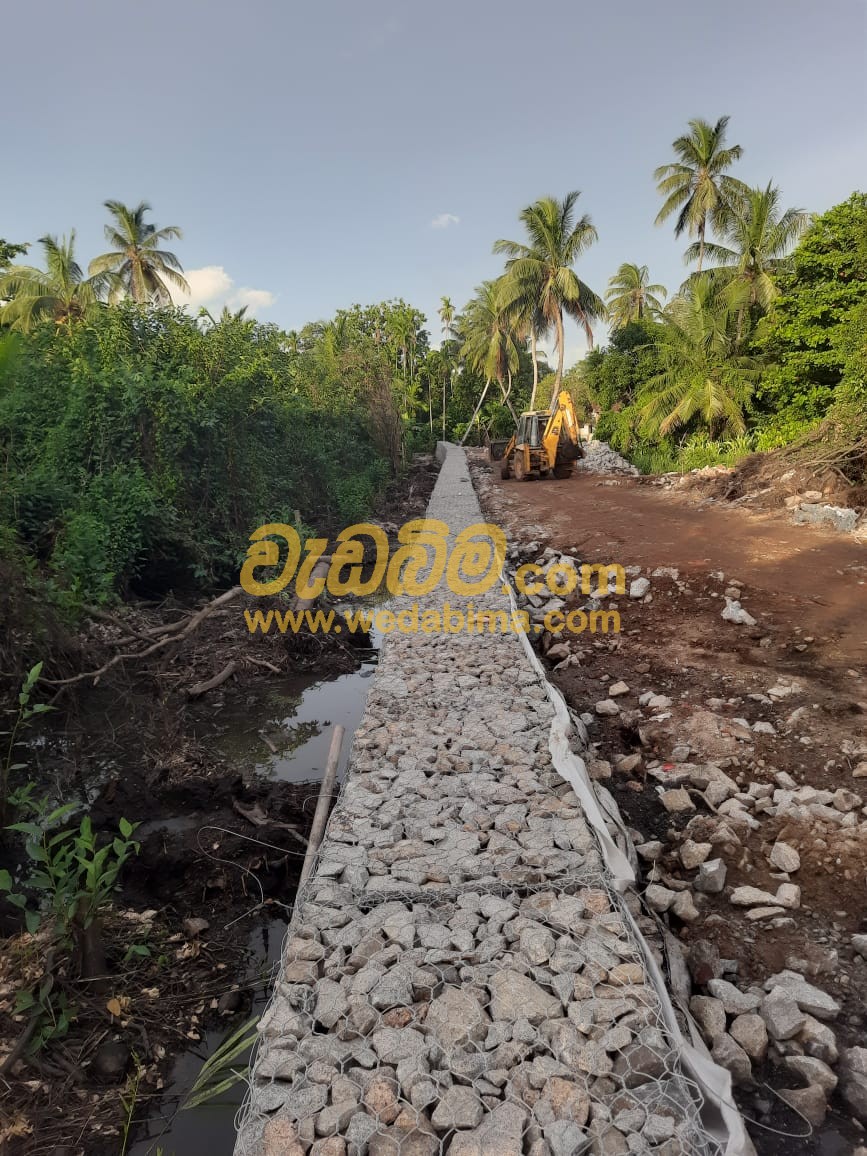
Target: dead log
212, 683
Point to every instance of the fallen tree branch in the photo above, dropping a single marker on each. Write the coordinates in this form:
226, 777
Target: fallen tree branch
104, 616
271, 746
191, 625
212, 683
165, 628
263, 662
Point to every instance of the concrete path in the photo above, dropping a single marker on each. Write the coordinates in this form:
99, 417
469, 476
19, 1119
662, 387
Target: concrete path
459, 975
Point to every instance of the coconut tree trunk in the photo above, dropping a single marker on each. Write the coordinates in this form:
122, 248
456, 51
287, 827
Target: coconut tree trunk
445, 382
139, 294
506, 393
535, 366
561, 353
739, 328
476, 412
701, 226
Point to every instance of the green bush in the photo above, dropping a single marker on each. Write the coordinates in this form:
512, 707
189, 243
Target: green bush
142, 447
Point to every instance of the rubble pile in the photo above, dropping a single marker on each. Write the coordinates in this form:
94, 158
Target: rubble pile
600, 458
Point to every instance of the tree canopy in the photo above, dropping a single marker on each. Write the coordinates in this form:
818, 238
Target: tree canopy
540, 282
137, 266
696, 186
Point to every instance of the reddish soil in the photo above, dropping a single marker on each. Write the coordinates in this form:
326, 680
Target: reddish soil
799, 575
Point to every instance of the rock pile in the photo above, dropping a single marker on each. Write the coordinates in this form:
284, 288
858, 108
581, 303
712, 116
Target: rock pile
600, 458
786, 1019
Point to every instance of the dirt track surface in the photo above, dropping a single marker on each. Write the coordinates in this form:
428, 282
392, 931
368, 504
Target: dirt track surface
800, 575
807, 590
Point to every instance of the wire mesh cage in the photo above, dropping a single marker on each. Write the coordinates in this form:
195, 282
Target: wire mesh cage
460, 975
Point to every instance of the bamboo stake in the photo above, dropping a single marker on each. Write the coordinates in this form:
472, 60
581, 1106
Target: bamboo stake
323, 805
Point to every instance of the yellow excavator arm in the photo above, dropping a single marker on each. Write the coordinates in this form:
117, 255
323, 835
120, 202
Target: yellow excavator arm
546, 442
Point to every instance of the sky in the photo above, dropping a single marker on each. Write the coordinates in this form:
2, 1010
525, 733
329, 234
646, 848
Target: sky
338, 152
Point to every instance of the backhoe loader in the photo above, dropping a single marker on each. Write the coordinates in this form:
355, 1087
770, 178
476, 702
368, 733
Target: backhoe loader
546, 442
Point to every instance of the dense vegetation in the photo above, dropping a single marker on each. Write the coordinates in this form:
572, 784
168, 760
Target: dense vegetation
142, 445
764, 340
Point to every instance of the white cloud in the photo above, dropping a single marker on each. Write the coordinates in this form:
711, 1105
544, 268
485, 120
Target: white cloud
253, 298
444, 220
206, 285
212, 287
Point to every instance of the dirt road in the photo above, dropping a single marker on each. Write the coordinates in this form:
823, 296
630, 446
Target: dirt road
800, 576
778, 706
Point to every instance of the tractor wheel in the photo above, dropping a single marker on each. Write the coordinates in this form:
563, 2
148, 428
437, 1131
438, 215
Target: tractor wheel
521, 474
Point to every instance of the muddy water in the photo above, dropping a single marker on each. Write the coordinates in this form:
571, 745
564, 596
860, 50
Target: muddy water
208, 1130
296, 715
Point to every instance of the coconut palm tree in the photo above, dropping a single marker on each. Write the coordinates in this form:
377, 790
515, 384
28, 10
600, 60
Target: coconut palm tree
490, 343
630, 295
60, 292
703, 377
138, 266
759, 235
523, 299
541, 270
447, 315
696, 186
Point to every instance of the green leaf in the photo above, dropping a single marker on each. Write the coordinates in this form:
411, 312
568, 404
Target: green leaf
208, 1083
5, 881
59, 813
126, 828
140, 950
31, 829
211, 1091
32, 919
